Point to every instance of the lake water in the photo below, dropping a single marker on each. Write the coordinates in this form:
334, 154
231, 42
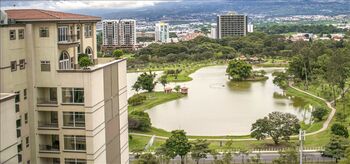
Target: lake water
215, 106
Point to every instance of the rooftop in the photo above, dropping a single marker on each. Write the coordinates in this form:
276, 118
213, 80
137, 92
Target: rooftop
46, 15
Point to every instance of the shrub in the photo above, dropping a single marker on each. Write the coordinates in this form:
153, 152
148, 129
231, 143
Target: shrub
84, 62
139, 120
136, 99
340, 130
319, 113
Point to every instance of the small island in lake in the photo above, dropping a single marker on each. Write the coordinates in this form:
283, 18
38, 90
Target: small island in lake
239, 70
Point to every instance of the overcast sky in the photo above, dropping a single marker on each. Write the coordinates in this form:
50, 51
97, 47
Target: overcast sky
72, 4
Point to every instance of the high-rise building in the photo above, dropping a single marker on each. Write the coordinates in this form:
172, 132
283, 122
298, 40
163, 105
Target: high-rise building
110, 32
8, 130
250, 28
231, 25
118, 34
127, 33
64, 113
162, 32
213, 33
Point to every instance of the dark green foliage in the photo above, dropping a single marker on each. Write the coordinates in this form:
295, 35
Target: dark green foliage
319, 113
84, 62
340, 130
136, 99
239, 70
145, 82
177, 144
277, 125
336, 147
281, 79
199, 149
316, 29
118, 53
139, 120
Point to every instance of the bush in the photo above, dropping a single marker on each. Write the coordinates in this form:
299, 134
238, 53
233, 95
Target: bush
139, 120
340, 130
136, 99
319, 113
84, 62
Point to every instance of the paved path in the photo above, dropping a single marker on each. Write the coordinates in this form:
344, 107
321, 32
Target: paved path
324, 127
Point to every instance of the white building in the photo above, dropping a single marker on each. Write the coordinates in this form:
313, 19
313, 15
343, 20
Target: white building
162, 32
213, 33
250, 28
127, 33
110, 32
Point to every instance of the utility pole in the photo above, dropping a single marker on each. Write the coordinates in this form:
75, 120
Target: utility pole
301, 139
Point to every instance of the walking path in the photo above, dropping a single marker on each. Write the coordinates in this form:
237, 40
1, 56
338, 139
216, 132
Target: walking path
324, 127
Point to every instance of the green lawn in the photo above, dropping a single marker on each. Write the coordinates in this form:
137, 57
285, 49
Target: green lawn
154, 99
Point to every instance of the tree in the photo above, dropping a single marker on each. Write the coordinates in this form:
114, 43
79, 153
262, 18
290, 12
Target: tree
336, 148
347, 157
199, 149
177, 88
139, 120
340, 130
289, 156
84, 62
239, 70
277, 125
178, 144
319, 113
281, 79
147, 158
118, 53
163, 80
136, 87
146, 81
136, 99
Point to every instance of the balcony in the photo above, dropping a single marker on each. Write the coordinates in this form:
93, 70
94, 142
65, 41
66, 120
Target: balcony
47, 96
49, 143
50, 160
67, 41
47, 120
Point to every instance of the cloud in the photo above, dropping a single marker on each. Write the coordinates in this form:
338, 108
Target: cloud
73, 4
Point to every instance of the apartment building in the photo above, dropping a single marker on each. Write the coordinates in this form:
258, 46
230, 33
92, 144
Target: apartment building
118, 34
65, 114
231, 25
8, 139
162, 32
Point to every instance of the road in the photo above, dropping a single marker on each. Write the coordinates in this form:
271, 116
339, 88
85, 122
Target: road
266, 157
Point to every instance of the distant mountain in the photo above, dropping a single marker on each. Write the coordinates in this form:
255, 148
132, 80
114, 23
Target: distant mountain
207, 10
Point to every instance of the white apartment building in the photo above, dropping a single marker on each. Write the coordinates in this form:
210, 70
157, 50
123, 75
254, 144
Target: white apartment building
213, 33
127, 33
162, 32
110, 33
8, 136
231, 25
65, 114
118, 34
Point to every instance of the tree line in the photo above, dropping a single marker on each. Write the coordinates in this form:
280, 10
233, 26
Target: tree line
315, 29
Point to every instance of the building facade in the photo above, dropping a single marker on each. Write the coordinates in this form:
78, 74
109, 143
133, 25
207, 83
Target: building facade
162, 32
65, 114
231, 25
118, 34
8, 130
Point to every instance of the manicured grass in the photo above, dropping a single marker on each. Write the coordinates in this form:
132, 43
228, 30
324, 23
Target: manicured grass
273, 63
154, 99
139, 143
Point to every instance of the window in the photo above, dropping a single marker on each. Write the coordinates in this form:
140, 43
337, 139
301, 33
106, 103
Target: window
44, 32
27, 141
21, 34
74, 119
13, 66
19, 158
88, 51
88, 30
25, 93
19, 147
78, 32
28, 162
18, 97
63, 33
73, 95
45, 66
79, 51
22, 64
64, 61
74, 143
17, 107
74, 161
12, 34
18, 123
26, 118
18, 132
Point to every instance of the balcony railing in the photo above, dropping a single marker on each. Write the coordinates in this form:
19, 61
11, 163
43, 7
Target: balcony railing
50, 125
44, 101
67, 39
49, 148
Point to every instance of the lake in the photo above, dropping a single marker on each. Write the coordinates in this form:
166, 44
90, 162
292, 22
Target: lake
215, 106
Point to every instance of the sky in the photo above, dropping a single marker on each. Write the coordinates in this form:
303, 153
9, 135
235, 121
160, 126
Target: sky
73, 4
